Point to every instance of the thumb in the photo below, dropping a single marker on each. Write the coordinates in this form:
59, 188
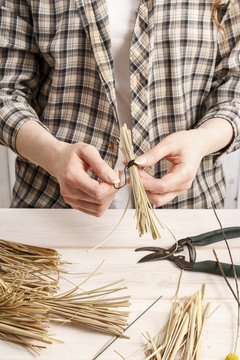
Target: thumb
91, 156
153, 155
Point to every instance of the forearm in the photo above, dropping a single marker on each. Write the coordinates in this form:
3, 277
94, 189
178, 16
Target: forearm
216, 133
37, 145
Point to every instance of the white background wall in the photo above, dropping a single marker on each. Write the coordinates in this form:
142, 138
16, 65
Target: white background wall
231, 164
7, 158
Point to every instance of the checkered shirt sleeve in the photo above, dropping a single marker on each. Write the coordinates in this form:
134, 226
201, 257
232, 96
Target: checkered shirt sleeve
224, 97
19, 74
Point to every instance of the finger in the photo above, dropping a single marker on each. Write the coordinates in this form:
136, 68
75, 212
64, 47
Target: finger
92, 157
78, 183
77, 202
162, 199
71, 194
178, 179
95, 209
84, 211
155, 154
94, 212
77, 179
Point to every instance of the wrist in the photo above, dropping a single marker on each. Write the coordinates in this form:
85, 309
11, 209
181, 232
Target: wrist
51, 156
216, 134
39, 146
55, 155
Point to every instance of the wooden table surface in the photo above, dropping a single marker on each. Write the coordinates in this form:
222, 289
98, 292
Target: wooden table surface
73, 233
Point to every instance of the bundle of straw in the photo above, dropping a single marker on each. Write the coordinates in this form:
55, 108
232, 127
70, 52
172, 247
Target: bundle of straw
180, 338
36, 268
144, 210
28, 301
182, 334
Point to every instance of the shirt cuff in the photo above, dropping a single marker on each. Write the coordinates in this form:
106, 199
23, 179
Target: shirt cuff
232, 115
13, 116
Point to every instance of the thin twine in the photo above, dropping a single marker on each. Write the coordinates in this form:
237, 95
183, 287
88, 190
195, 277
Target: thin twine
112, 340
129, 164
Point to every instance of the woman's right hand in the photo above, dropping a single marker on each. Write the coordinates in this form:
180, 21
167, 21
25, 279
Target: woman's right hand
77, 188
69, 164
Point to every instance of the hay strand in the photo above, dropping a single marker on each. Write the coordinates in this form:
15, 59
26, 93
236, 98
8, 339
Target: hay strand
29, 301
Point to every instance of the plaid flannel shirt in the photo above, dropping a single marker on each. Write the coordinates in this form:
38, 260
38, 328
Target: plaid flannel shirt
56, 68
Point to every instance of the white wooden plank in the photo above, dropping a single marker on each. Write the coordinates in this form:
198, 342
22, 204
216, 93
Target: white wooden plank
67, 229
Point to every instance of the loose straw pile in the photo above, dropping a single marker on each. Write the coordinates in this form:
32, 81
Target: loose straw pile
144, 210
28, 281
180, 338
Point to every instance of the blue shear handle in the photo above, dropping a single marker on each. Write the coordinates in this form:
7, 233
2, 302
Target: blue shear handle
212, 267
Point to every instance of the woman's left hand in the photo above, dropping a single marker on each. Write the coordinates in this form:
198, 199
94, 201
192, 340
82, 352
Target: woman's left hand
184, 151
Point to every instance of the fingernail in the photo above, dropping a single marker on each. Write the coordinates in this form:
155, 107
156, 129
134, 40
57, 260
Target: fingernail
140, 161
113, 179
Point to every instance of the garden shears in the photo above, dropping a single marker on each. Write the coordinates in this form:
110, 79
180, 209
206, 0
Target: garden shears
190, 242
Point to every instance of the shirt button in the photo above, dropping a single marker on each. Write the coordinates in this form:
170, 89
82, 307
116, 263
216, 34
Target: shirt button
111, 145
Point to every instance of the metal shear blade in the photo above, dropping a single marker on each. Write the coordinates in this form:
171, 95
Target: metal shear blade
168, 254
157, 253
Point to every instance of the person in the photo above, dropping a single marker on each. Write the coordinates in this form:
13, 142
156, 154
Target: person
65, 90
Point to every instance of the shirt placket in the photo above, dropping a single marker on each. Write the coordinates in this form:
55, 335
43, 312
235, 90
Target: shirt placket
95, 20
139, 73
